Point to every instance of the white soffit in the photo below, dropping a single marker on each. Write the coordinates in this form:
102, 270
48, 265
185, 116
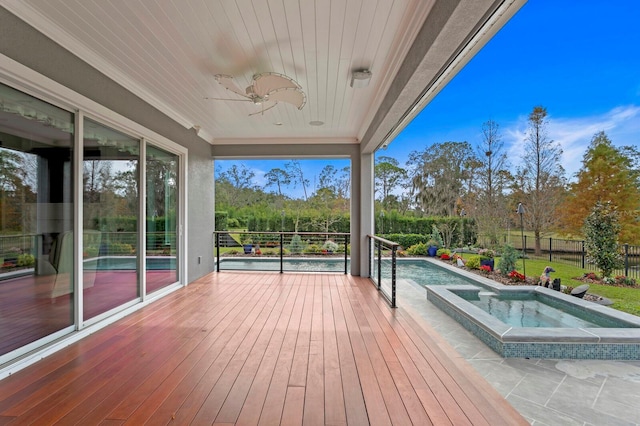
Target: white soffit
167, 52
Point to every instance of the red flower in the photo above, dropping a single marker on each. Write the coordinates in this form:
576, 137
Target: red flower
445, 257
485, 268
516, 275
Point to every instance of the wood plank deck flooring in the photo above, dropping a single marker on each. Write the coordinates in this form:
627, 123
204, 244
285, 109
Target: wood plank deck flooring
258, 348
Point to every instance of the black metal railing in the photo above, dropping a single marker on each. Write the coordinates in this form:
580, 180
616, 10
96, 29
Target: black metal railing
281, 251
382, 266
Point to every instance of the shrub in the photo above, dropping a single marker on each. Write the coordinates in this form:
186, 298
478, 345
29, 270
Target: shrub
91, 251
312, 249
486, 253
601, 229
485, 268
623, 280
442, 251
435, 236
119, 248
507, 262
407, 240
296, 245
26, 260
419, 249
473, 262
330, 246
232, 223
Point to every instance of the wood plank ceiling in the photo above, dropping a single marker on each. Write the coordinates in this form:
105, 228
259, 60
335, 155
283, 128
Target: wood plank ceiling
168, 51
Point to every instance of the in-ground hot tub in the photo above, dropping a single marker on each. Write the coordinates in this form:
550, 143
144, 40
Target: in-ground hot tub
537, 322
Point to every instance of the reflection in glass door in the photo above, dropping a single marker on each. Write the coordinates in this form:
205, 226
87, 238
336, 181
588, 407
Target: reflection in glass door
36, 221
110, 216
162, 218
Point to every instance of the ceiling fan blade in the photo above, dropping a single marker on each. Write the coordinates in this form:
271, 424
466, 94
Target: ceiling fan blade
261, 112
295, 97
227, 82
226, 99
270, 81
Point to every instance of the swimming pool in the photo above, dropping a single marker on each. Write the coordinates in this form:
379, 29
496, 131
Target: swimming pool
531, 309
536, 322
289, 264
119, 263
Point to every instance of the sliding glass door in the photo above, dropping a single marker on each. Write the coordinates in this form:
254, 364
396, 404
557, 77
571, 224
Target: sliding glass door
73, 250
162, 218
111, 168
36, 221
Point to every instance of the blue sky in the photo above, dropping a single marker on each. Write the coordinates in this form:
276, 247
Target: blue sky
579, 59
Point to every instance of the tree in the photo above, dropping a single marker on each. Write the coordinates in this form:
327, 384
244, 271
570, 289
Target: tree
278, 178
327, 179
542, 176
490, 212
388, 176
343, 185
606, 177
601, 230
240, 177
297, 175
440, 174
9, 181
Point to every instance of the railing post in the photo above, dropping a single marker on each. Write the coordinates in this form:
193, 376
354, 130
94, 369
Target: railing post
370, 257
583, 254
393, 276
626, 260
217, 251
550, 243
379, 265
281, 252
346, 244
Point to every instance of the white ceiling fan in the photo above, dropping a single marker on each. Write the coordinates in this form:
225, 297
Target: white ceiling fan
267, 89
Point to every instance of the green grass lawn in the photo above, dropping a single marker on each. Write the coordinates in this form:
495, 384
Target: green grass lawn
626, 299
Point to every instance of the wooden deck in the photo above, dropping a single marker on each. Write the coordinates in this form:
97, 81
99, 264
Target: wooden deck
258, 348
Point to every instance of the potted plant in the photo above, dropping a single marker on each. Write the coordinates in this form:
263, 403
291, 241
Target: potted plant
432, 249
247, 244
486, 258
435, 241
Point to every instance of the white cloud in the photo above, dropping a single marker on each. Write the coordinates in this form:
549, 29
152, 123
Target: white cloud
622, 125
258, 177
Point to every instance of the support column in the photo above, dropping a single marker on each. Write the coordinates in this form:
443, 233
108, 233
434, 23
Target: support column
365, 216
355, 214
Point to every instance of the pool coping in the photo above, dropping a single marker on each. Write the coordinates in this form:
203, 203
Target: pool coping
530, 342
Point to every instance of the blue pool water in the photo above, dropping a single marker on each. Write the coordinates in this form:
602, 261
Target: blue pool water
424, 273
118, 263
289, 264
534, 310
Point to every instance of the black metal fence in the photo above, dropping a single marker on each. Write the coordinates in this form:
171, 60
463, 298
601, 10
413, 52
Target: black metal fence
282, 251
573, 252
382, 266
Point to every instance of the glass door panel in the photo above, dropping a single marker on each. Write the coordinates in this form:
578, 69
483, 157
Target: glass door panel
110, 216
36, 220
161, 218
